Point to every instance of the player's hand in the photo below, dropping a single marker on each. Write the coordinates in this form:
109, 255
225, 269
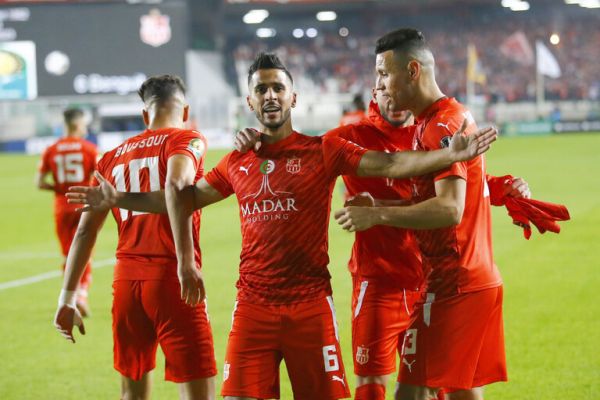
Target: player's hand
246, 140
465, 147
355, 219
517, 188
363, 199
192, 285
66, 317
95, 198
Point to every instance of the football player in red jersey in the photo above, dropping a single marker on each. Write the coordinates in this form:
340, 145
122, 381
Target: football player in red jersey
149, 284
284, 309
455, 339
385, 263
70, 161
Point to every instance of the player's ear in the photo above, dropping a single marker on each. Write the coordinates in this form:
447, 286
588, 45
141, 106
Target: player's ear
249, 103
146, 117
186, 112
293, 99
414, 69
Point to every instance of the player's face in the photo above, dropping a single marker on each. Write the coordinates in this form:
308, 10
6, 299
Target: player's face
79, 126
395, 118
393, 82
271, 97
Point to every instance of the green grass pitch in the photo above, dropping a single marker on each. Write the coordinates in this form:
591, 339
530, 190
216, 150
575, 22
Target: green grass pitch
552, 306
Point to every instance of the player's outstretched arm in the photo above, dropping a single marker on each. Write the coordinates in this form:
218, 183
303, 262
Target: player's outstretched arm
67, 316
105, 196
443, 210
404, 164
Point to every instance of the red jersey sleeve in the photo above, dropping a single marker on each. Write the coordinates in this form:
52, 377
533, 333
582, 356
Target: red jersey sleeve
438, 133
101, 168
218, 177
341, 156
189, 143
44, 165
343, 132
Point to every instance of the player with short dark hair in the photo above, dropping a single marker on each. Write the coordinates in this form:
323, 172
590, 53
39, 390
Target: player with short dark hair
284, 310
455, 339
71, 162
150, 287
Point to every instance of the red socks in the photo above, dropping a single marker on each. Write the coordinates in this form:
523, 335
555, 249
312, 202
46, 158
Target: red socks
370, 391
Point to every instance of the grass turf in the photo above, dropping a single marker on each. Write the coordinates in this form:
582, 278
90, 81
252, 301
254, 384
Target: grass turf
551, 301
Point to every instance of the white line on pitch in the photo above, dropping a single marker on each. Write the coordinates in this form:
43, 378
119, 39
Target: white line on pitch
48, 275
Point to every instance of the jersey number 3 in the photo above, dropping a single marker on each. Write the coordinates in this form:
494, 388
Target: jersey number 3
135, 167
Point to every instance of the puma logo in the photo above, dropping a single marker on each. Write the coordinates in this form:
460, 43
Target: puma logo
409, 365
445, 126
337, 378
244, 169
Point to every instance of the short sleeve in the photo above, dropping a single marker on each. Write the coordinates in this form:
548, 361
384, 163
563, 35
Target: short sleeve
437, 135
341, 156
189, 143
219, 179
44, 165
101, 168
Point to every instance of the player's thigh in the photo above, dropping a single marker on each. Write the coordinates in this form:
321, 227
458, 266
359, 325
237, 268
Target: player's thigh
312, 351
135, 340
183, 331
441, 348
253, 354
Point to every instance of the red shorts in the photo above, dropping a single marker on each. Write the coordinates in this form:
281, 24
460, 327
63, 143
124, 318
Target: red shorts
380, 318
304, 335
66, 225
455, 343
148, 313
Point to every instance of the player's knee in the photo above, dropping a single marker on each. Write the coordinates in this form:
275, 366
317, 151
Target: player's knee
411, 392
198, 389
377, 380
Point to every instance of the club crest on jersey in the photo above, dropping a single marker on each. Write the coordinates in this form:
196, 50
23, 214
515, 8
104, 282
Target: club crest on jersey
445, 142
267, 166
155, 28
362, 355
293, 165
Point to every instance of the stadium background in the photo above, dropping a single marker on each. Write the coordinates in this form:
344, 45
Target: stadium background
94, 54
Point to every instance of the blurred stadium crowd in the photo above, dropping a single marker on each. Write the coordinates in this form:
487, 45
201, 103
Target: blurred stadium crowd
331, 63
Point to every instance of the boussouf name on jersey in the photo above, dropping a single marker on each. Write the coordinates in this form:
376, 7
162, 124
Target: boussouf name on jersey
147, 142
267, 204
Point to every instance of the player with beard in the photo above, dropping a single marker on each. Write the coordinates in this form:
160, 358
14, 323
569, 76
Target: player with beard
385, 263
284, 310
455, 338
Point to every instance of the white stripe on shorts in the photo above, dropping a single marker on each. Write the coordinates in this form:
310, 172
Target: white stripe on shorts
335, 325
361, 296
233, 313
427, 308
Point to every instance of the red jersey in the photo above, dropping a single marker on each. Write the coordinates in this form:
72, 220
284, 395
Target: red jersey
457, 259
146, 250
284, 194
71, 161
387, 254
